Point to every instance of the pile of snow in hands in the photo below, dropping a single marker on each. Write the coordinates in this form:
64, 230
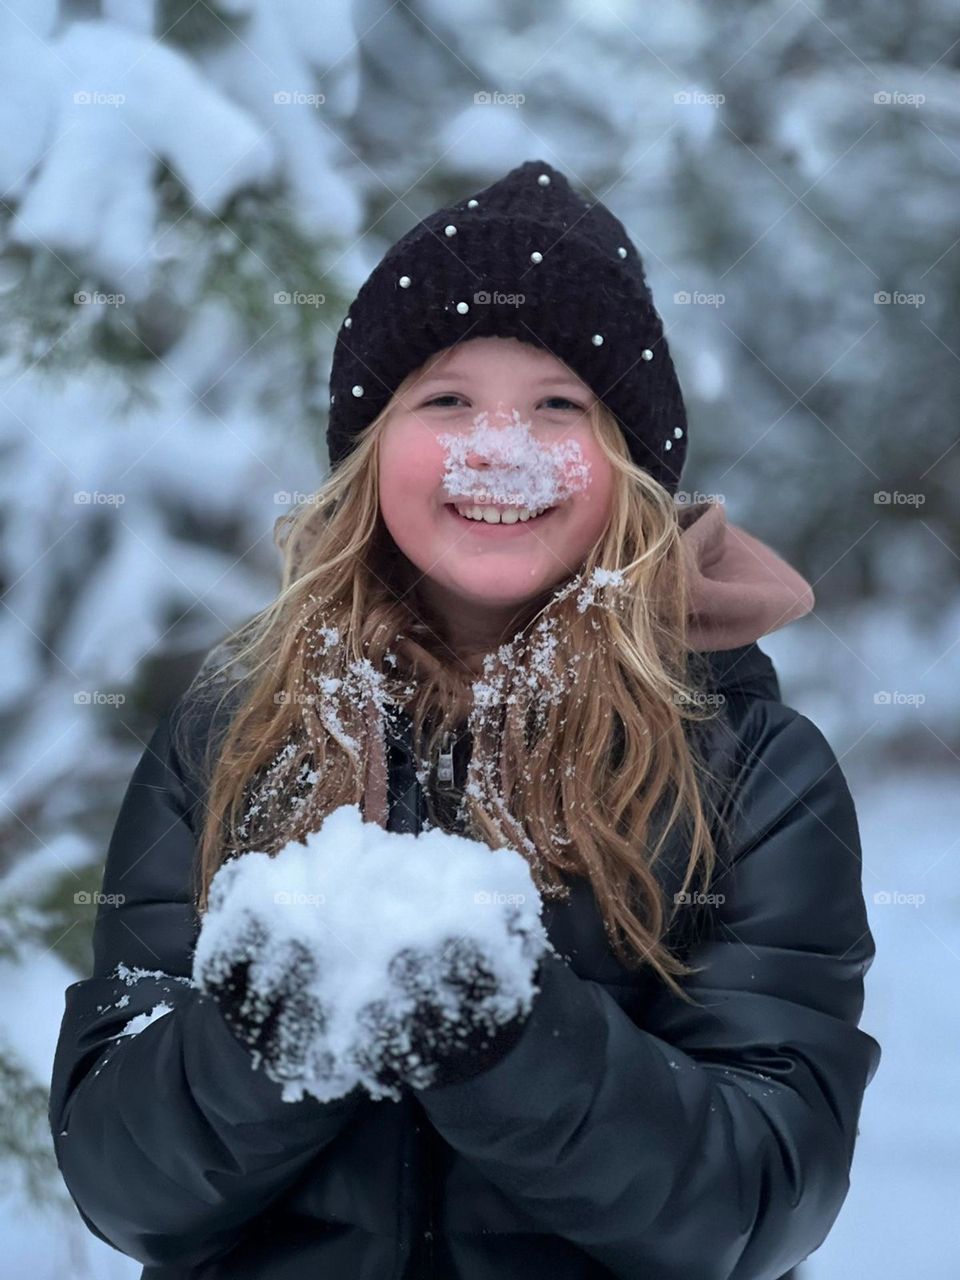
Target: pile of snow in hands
354, 896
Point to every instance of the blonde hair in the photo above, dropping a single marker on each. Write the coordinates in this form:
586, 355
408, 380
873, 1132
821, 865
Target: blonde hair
600, 768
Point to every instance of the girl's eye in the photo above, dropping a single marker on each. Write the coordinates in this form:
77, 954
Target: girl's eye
437, 399
451, 396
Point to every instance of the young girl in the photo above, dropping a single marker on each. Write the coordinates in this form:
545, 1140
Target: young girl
497, 624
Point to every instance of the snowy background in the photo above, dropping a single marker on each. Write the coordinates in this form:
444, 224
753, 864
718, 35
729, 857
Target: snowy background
192, 194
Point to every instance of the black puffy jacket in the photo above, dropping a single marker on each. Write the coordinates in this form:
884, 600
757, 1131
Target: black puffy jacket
626, 1134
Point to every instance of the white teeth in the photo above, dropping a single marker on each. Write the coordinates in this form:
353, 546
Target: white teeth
505, 515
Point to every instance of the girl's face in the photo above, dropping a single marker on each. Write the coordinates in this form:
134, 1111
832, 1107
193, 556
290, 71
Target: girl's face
534, 447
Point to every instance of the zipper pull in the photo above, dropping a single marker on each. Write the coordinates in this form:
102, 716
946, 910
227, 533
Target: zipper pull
445, 763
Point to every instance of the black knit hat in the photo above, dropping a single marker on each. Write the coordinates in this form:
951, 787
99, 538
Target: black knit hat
527, 258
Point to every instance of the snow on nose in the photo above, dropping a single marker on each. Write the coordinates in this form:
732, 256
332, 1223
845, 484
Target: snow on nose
510, 466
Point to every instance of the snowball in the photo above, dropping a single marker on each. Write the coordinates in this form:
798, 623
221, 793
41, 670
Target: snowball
355, 895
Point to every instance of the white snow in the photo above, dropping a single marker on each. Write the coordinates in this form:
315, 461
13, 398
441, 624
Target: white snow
68, 851
136, 974
276, 70
600, 577
522, 470
899, 1218
355, 895
324, 699
137, 1024
45, 1239
124, 103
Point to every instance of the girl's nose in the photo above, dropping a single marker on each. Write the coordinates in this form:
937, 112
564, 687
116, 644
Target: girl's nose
500, 418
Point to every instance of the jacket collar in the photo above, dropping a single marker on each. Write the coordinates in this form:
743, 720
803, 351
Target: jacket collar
740, 588
746, 670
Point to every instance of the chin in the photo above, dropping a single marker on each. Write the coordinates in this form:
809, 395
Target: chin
505, 595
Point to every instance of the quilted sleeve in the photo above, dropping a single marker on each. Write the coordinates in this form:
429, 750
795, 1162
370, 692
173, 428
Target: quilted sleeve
169, 1142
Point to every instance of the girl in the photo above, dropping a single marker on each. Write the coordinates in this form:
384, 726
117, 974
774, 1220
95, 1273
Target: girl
495, 620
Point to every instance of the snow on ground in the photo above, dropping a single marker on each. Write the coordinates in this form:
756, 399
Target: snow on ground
45, 1242
899, 1218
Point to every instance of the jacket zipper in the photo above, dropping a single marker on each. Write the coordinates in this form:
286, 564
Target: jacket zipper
430, 1196
445, 763
444, 778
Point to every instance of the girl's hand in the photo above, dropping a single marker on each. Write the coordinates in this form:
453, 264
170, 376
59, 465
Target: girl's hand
267, 999
326, 966
442, 1020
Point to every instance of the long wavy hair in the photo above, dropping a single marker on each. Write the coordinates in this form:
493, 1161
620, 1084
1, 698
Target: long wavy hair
599, 751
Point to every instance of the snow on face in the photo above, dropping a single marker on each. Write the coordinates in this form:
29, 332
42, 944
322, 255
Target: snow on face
523, 471
500, 417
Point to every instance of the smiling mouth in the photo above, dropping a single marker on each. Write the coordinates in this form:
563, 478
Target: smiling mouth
487, 517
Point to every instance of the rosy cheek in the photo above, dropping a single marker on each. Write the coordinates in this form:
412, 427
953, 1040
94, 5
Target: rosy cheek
422, 451
411, 461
